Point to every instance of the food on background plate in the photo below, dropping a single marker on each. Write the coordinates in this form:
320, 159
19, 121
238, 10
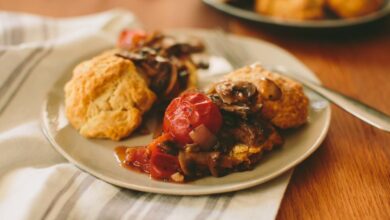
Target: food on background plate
222, 130
108, 94
294, 9
310, 9
355, 8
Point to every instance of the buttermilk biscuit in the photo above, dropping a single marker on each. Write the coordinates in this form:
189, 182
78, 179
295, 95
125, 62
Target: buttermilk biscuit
106, 97
355, 8
291, 9
291, 110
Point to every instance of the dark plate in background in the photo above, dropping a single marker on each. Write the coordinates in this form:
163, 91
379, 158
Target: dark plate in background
317, 24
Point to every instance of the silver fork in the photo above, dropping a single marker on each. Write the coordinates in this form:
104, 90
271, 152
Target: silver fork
238, 57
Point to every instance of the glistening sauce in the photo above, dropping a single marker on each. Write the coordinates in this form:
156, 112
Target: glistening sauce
139, 161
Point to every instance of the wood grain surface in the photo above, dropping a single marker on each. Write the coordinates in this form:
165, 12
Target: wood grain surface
348, 177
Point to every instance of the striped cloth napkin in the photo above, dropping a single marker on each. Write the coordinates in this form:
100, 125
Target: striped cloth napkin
38, 183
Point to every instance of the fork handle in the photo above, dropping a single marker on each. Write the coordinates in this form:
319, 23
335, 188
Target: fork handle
362, 111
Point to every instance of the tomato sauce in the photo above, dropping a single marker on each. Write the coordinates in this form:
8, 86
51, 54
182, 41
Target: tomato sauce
134, 158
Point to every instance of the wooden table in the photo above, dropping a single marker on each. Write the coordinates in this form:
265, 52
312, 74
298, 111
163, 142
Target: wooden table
349, 175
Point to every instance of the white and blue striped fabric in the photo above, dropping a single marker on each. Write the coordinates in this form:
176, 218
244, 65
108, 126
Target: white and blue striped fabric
38, 183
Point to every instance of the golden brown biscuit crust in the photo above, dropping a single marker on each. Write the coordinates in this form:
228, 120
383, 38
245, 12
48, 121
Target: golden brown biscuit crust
106, 97
291, 110
291, 9
355, 8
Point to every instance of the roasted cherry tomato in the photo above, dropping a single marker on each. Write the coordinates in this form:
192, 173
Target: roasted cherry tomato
129, 39
187, 112
162, 165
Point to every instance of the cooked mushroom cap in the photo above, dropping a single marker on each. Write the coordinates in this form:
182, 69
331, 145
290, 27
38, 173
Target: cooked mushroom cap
232, 92
199, 163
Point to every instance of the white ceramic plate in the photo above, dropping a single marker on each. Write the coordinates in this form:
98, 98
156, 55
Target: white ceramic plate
325, 23
97, 156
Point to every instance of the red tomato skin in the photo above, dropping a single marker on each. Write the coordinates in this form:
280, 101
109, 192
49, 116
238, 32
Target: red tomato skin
129, 39
187, 112
162, 165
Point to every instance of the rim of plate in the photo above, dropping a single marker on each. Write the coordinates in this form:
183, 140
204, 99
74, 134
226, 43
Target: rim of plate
326, 23
222, 189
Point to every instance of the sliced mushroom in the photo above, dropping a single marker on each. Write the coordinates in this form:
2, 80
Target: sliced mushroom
188, 164
233, 92
162, 73
235, 97
172, 81
130, 56
213, 163
199, 163
181, 46
159, 83
240, 110
161, 60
